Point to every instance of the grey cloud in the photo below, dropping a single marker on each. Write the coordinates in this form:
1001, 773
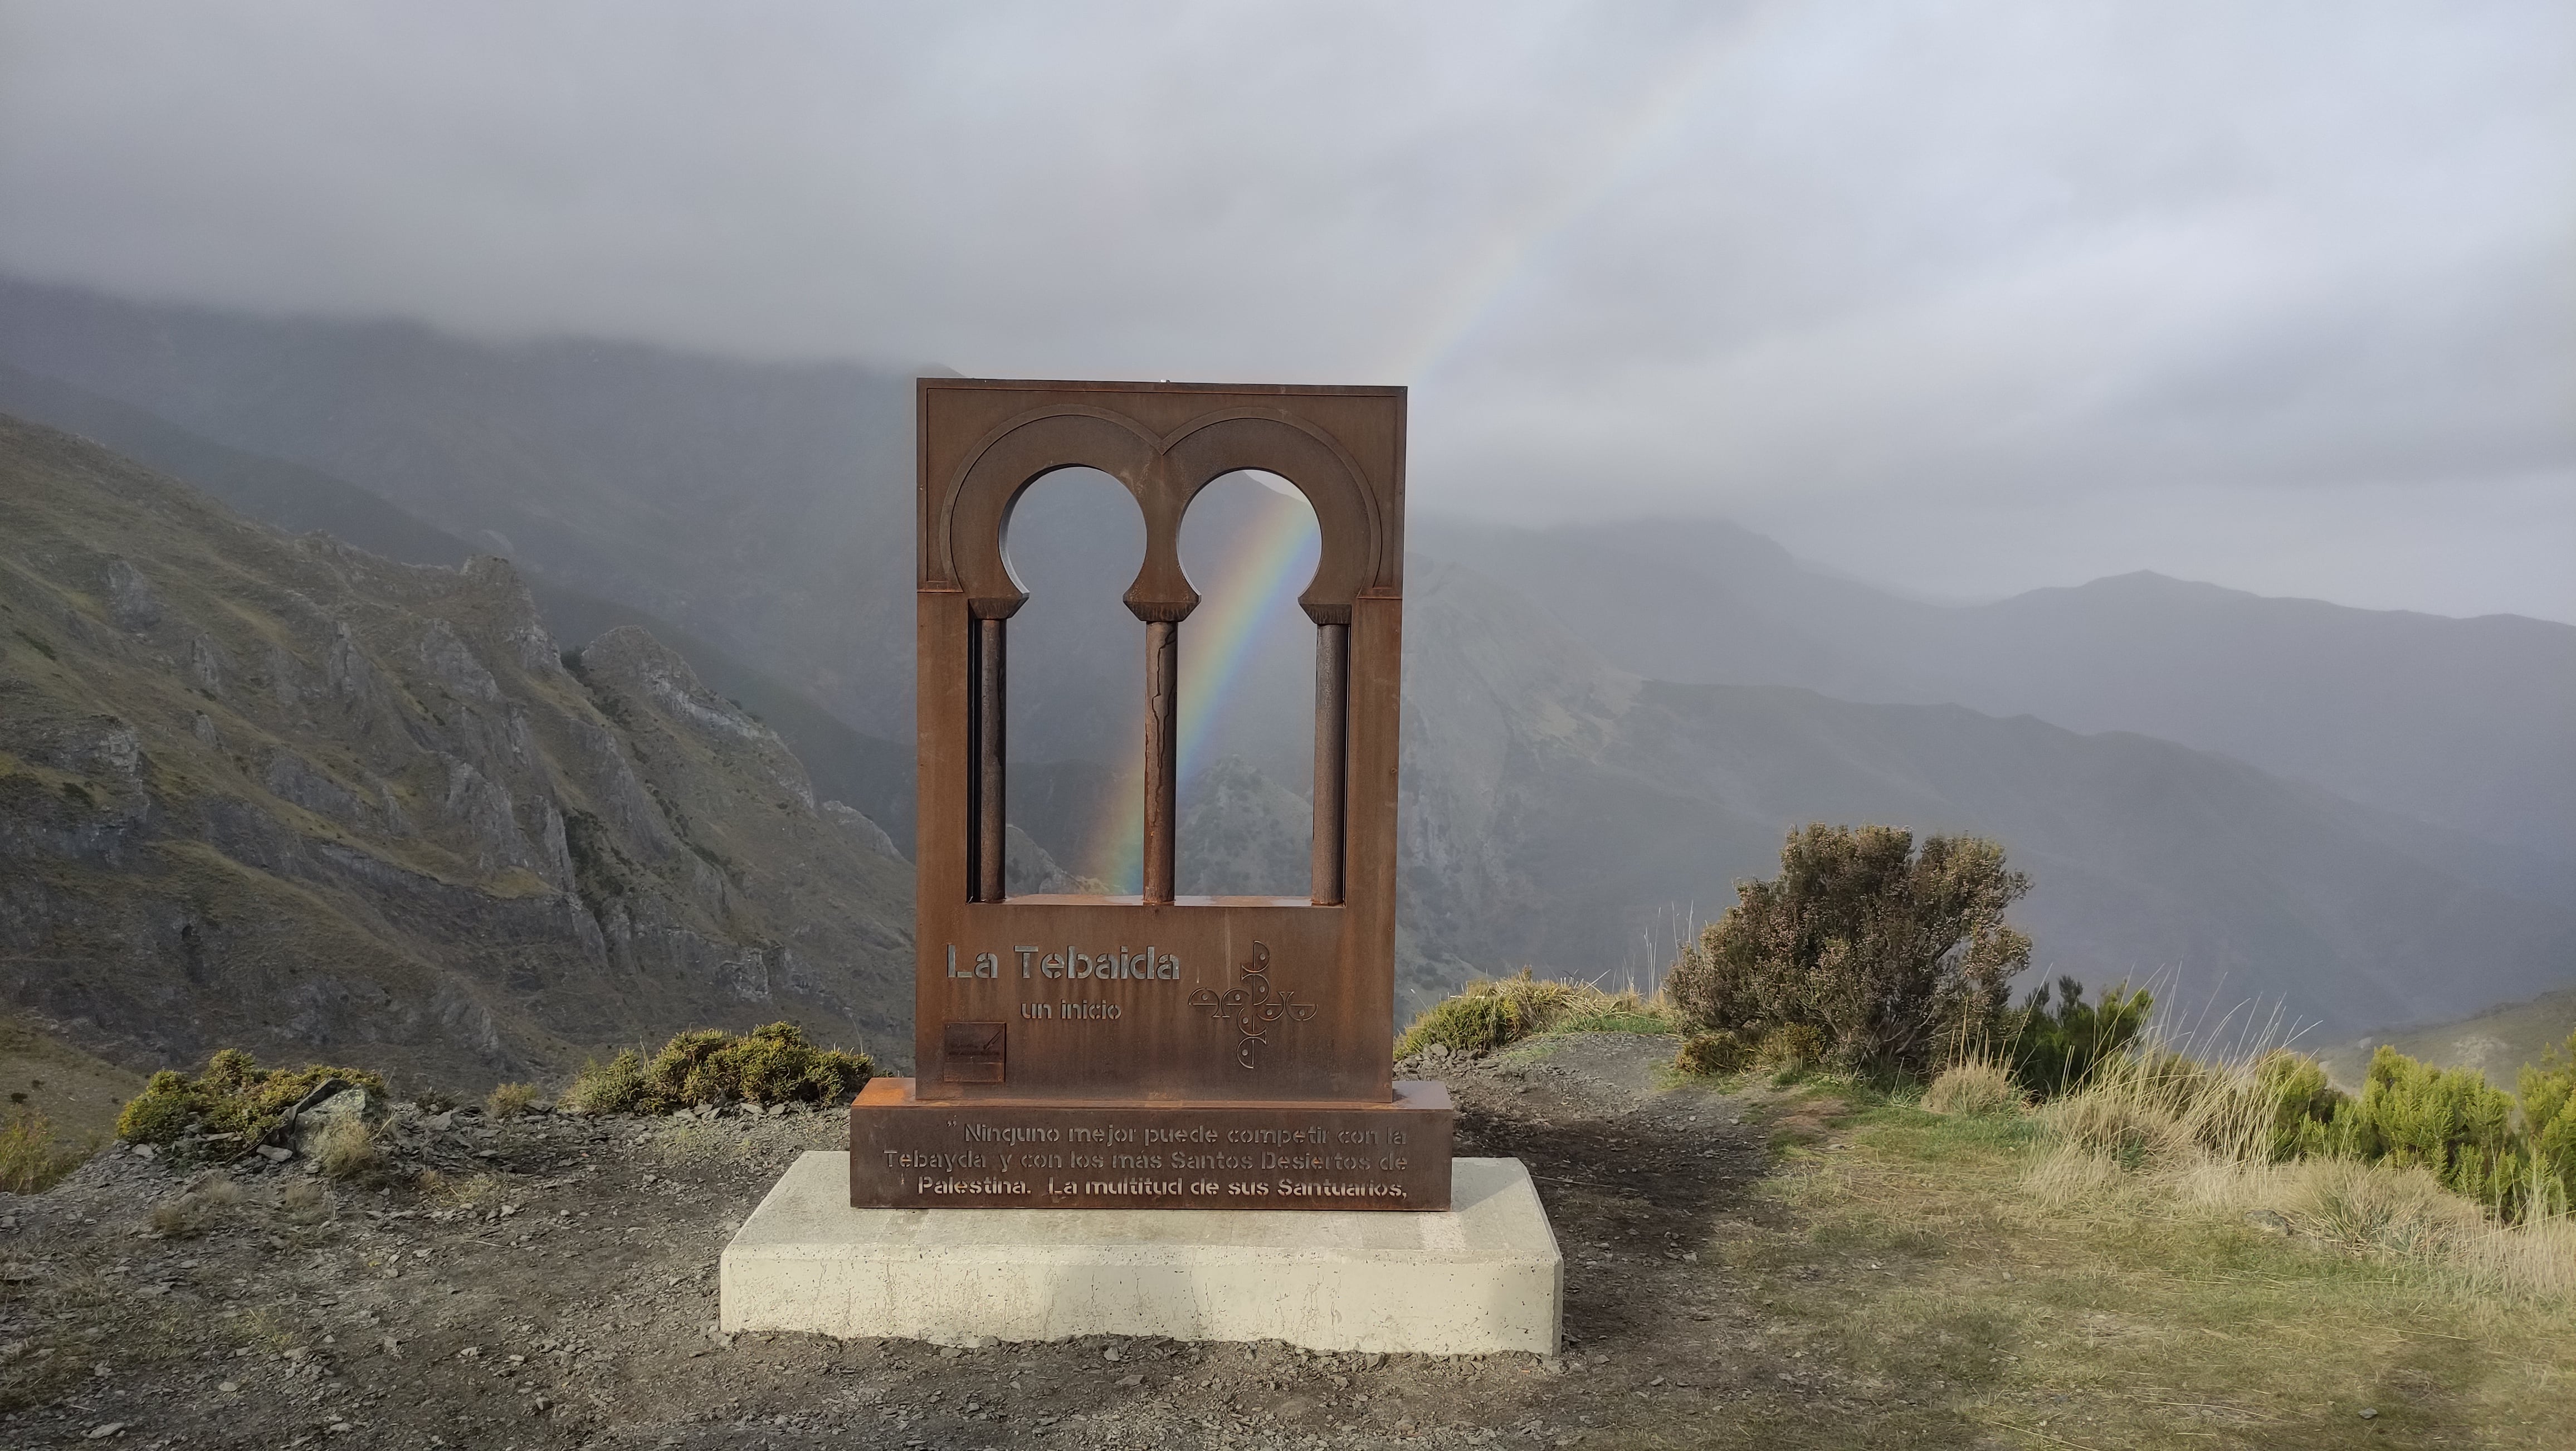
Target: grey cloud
1970, 297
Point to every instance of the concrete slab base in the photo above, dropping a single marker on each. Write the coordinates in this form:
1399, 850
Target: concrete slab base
1480, 1277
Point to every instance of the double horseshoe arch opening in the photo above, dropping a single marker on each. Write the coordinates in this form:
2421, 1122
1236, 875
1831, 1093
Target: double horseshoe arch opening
1164, 474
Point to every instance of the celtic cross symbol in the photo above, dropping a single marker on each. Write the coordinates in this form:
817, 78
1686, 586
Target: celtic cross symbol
1250, 1006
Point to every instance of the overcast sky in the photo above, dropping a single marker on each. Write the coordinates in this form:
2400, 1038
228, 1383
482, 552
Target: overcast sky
1961, 298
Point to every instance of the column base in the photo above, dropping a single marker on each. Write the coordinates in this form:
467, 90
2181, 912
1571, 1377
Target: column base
1481, 1277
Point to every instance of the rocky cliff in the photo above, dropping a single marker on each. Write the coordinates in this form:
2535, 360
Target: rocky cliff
282, 793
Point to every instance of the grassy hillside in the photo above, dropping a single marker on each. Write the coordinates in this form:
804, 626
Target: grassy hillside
283, 793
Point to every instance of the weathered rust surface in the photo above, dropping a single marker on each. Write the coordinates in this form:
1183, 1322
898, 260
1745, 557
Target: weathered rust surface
1162, 757
992, 713
1123, 1008
907, 1153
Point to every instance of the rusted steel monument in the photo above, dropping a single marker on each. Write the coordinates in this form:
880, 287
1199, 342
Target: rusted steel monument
1155, 1051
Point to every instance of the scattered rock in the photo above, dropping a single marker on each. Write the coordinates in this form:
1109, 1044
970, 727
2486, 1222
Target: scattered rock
275, 1154
2270, 1221
2370, 1413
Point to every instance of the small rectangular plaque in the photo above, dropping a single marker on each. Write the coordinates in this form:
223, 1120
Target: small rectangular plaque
906, 1153
971, 1052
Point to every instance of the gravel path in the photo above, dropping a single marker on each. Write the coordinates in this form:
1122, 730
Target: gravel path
556, 1287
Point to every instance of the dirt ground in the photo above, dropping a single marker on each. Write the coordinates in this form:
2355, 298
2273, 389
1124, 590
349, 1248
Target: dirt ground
557, 1287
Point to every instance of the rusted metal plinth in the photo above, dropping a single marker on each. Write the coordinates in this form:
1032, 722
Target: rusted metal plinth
1002, 1154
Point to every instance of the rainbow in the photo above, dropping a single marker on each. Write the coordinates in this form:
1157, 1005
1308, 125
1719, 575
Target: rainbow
1481, 283
1272, 561
1261, 576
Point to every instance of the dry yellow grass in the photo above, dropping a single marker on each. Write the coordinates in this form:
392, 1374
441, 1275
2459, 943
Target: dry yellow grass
2047, 1294
509, 1100
31, 1157
1977, 1086
346, 1149
2197, 1137
304, 1202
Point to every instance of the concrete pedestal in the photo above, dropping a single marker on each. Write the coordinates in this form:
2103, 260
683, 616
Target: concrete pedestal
1479, 1277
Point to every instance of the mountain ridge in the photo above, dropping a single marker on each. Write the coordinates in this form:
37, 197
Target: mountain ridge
282, 793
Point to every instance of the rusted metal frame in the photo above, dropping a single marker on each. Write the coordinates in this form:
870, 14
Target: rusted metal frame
1332, 758
1162, 755
986, 788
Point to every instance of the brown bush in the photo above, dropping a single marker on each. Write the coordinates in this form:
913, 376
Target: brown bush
1893, 957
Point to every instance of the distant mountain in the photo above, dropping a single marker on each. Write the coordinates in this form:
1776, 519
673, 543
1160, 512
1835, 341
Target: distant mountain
1556, 806
282, 793
2468, 724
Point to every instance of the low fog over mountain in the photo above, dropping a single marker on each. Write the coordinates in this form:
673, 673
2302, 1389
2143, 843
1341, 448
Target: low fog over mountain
2366, 815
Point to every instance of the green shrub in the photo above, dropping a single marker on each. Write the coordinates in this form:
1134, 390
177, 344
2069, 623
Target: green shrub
616, 1086
2548, 1093
233, 1096
767, 1065
1894, 958
2302, 1105
162, 1112
1706, 1055
2450, 1121
2054, 1049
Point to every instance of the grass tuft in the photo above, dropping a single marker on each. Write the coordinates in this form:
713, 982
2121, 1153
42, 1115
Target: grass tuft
305, 1202
509, 1100
32, 1159
195, 1209
347, 1150
1975, 1087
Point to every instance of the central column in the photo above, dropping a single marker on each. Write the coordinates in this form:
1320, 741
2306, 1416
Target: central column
1162, 754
